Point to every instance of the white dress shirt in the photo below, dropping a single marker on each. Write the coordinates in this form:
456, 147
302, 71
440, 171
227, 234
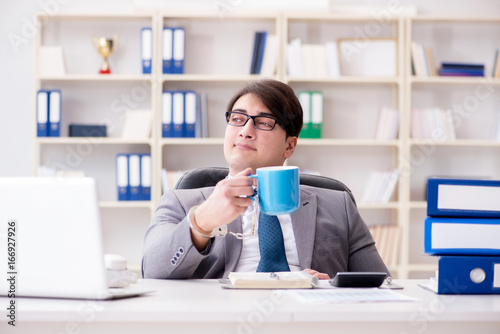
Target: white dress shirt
250, 253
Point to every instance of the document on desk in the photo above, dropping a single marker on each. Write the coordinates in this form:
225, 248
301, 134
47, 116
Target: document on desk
348, 295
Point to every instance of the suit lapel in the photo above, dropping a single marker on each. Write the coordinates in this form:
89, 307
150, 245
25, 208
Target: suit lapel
304, 228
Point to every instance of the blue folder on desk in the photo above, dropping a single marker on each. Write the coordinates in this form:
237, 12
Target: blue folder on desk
463, 197
469, 275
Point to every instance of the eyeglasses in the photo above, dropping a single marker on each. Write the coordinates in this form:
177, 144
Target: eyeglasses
264, 123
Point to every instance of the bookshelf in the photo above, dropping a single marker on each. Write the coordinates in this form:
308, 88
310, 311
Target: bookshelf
91, 98
349, 122
474, 104
218, 56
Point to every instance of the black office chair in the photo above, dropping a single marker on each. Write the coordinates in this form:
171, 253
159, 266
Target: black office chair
209, 176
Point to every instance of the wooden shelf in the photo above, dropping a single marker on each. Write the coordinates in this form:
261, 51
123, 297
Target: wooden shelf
90, 140
389, 205
210, 78
346, 80
126, 204
97, 77
192, 141
348, 142
455, 143
437, 80
418, 205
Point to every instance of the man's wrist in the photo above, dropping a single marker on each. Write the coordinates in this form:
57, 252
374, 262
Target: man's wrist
218, 231
192, 223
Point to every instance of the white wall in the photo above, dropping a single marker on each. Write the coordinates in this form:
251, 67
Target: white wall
16, 66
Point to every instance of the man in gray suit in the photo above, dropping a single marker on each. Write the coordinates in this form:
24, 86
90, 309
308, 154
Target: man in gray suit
324, 236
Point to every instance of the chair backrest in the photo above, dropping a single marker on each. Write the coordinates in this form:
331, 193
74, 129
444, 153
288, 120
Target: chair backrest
209, 176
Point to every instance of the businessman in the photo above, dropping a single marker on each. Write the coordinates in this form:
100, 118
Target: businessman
324, 236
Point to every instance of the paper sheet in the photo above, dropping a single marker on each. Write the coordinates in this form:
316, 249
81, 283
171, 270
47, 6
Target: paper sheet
347, 295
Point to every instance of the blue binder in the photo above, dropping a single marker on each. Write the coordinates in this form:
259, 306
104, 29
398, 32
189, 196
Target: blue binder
145, 189
461, 236
178, 55
134, 176
122, 177
463, 197
146, 50
167, 50
42, 113
469, 275
54, 113
261, 51
167, 104
255, 52
178, 114
190, 107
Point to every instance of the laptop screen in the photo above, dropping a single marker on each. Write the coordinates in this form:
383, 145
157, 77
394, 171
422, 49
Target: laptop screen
53, 228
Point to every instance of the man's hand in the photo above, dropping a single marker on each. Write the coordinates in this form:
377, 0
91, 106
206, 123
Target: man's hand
228, 200
317, 274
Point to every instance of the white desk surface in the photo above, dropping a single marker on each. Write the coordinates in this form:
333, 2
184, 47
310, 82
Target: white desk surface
202, 306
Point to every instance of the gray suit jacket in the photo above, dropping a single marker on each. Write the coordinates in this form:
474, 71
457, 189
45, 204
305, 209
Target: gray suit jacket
329, 233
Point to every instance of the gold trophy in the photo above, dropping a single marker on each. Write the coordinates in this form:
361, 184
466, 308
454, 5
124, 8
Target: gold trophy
105, 47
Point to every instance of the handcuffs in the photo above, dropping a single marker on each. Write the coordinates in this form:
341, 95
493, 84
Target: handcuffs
220, 231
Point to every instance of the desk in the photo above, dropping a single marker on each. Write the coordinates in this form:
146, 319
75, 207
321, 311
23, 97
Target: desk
202, 306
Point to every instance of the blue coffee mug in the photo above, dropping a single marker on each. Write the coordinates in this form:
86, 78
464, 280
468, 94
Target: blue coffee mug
278, 189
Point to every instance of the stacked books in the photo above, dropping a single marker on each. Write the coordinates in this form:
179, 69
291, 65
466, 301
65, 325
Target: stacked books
422, 61
432, 123
277, 280
496, 66
386, 239
461, 70
313, 60
380, 186
387, 124
463, 229
265, 54
312, 107
184, 114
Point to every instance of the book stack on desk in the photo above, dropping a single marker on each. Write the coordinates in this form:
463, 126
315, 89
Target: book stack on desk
463, 229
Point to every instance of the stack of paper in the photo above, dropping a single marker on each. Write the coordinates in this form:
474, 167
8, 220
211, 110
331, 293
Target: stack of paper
278, 280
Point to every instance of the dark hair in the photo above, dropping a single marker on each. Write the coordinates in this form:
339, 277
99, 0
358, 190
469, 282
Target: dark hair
279, 98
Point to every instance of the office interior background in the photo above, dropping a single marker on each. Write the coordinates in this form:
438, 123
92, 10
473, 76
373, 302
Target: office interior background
124, 227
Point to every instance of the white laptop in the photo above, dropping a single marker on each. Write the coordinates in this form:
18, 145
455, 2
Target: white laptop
55, 225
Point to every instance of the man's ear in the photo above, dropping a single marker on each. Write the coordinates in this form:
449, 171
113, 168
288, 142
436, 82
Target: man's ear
291, 143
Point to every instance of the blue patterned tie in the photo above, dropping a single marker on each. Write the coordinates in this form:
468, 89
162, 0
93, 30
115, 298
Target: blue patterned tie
271, 245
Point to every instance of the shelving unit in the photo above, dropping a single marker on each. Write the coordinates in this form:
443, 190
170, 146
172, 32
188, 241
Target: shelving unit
91, 98
218, 55
349, 124
474, 103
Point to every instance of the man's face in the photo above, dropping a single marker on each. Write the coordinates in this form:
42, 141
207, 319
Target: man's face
249, 147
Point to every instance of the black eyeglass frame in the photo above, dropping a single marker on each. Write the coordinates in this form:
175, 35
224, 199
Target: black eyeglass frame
228, 113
